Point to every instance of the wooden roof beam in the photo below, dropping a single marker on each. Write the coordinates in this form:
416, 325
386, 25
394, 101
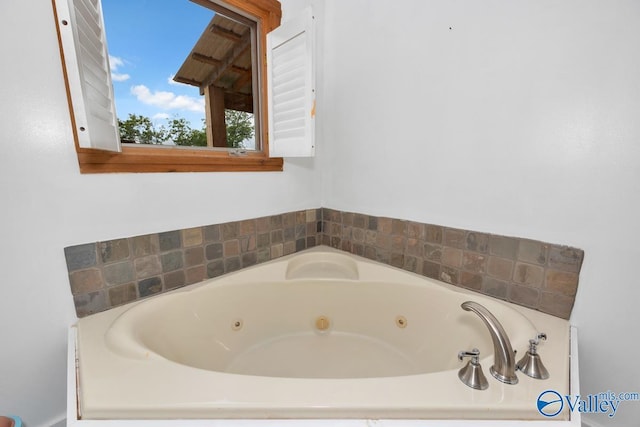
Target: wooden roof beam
227, 61
227, 34
186, 81
213, 61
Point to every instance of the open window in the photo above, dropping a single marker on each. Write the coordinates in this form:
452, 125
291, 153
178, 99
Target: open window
225, 83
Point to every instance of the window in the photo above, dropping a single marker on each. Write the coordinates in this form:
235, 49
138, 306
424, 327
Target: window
83, 48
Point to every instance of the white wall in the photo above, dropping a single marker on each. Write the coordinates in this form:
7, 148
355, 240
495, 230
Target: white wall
46, 205
510, 117
520, 120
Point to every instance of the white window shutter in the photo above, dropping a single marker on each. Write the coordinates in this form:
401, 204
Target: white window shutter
291, 88
86, 59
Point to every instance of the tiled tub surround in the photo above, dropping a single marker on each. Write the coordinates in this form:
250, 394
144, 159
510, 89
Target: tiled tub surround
530, 273
107, 274
526, 272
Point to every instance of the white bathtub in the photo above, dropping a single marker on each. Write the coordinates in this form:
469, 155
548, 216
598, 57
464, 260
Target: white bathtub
318, 334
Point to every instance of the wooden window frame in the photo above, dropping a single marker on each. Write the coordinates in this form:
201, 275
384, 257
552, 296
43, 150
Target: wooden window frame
268, 14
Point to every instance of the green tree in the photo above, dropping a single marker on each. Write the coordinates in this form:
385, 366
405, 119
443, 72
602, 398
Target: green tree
181, 133
239, 127
140, 129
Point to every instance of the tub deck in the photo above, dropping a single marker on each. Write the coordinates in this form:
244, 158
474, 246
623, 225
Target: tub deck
156, 359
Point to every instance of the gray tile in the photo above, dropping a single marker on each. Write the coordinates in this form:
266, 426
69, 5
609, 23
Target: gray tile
499, 268
477, 242
147, 266
432, 252
495, 288
215, 268
565, 258
249, 259
169, 240
119, 273
171, 261
90, 303
264, 240
528, 274
276, 221
150, 286
232, 264
504, 247
277, 236
114, 250
80, 256
212, 233
372, 223
533, 252
214, 251
524, 295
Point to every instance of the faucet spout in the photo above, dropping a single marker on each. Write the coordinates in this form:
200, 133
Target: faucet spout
504, 365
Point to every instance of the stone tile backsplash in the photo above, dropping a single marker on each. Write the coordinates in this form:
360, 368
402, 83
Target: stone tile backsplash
530, 273
534, 274
107, 274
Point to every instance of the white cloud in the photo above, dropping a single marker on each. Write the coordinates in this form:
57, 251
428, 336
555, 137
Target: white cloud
120, 77
115, 63
167, 100
171, 81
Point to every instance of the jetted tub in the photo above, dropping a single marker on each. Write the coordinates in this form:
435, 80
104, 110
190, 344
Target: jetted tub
318, 334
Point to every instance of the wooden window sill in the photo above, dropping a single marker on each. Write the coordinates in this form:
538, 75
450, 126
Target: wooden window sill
167, 159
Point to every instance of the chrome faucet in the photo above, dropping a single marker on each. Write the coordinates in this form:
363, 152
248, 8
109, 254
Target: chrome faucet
504, 364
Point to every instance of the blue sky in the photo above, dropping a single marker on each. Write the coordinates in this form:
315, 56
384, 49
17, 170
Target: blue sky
148, 41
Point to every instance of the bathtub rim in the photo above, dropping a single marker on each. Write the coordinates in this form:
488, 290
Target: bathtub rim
73, 404
279, 264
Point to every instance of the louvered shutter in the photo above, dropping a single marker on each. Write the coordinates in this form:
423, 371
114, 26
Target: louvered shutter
291, 88
86, 59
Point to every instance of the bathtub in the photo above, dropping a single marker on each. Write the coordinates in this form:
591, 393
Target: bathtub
320, 334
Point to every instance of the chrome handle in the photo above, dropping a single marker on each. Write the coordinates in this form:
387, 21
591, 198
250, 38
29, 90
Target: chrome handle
533, 343
473, 354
